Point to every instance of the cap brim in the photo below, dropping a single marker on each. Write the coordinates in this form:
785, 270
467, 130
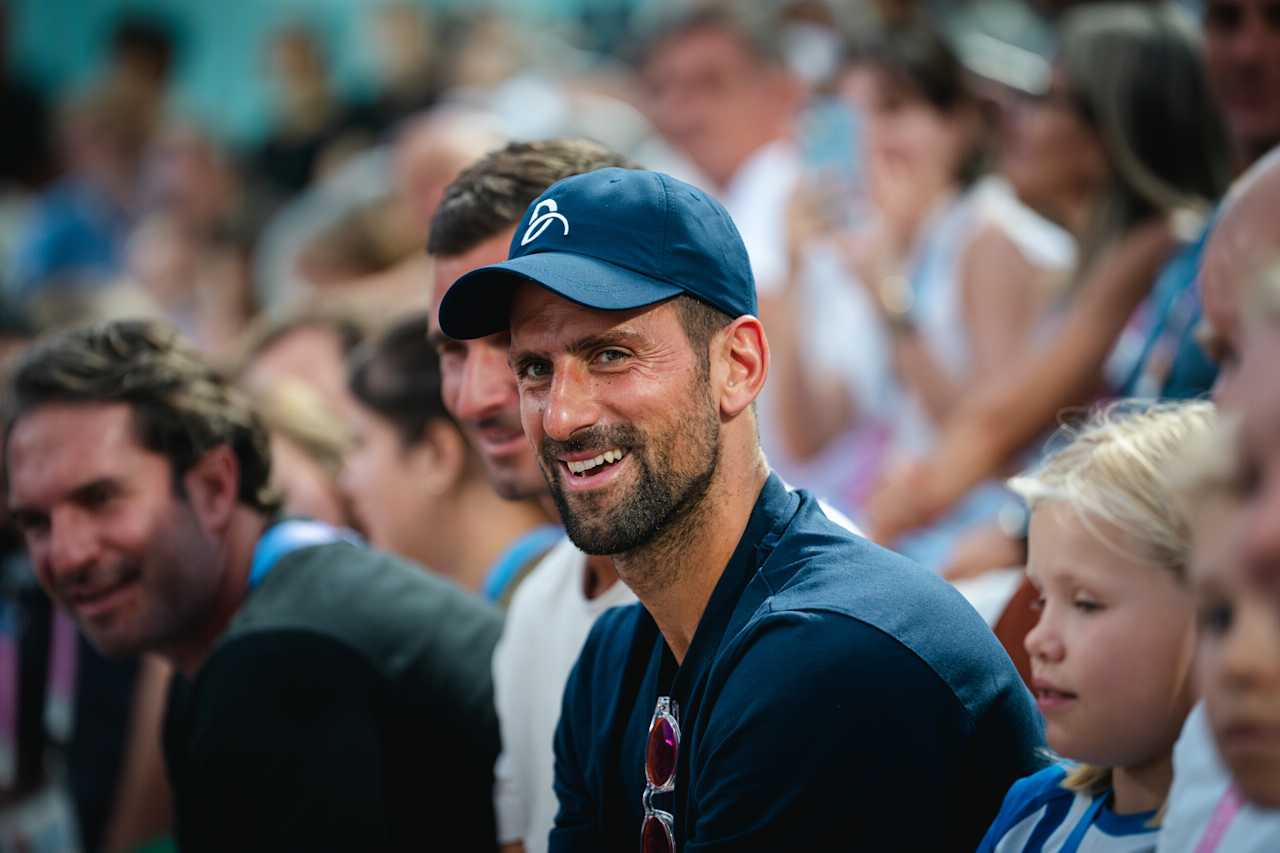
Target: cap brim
479, 303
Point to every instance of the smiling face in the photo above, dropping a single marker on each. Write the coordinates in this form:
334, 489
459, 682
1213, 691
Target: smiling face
1111, 655
479, 389
107, 536
1049, 153
713, 100
618, 407
1242, 56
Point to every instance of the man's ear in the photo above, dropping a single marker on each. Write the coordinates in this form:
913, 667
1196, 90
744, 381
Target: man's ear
213, 488
743, 356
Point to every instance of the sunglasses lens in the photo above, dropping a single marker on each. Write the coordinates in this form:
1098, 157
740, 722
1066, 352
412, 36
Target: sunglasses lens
656, 836
660, 754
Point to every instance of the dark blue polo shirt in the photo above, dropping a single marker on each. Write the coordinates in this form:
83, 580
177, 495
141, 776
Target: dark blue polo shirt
835, 696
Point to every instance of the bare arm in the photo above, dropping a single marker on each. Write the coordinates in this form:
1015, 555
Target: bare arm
1006, 416
811, 407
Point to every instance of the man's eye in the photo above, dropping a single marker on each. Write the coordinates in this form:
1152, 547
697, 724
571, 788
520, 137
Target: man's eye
533, 369
610, 356
29, 524
97, 495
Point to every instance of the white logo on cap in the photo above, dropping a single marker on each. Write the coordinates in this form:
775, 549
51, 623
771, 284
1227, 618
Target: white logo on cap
540, 221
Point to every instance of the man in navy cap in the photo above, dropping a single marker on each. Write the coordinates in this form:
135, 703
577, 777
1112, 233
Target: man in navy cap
784, 684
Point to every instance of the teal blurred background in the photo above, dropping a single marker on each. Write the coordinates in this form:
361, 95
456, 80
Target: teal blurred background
221, 77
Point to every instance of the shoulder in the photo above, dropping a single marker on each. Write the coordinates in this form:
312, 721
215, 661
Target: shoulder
1031, 792
1027, 797
392, 611
558, 568
820, 567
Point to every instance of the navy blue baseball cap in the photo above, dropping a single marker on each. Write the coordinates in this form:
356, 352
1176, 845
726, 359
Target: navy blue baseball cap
611, 239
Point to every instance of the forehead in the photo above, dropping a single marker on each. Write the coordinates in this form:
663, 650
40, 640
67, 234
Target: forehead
544, 320
61, 445
1065, 543
702, 46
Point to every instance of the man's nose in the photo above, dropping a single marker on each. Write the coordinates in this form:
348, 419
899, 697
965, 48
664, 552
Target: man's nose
73, 546
488, 387
571, 403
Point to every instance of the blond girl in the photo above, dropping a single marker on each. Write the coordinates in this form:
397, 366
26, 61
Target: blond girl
1112, 653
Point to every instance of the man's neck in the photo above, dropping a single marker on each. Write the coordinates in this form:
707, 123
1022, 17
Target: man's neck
235, 555
675, 575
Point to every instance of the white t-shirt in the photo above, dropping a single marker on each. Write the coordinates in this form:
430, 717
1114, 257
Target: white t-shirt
547, 622
1199, 782
757, 199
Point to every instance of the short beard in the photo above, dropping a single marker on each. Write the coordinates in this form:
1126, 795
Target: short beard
664, 502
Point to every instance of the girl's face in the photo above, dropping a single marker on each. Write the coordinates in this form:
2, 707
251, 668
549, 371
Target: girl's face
1238, 660
1050, 155
1112, 653
914, 149
386, 484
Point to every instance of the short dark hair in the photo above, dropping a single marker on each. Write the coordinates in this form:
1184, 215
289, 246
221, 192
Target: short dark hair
492, 194
182, 407
397, 375
700, 322
150, 40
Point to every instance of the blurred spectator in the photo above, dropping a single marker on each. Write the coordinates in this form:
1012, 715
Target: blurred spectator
142, 53
77, 231
26, 147
417, 486
719, 91
1242, 48
313, 129
1128, 79
1222, 479
409, 52
307, 347
309, 443
355, 240
938, 293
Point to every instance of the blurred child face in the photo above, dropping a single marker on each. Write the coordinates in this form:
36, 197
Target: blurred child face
1111, 655
1257, 397
1238, 658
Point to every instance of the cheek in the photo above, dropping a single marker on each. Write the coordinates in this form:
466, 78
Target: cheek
452, 369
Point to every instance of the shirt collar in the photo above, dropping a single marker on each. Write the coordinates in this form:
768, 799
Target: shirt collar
734, 599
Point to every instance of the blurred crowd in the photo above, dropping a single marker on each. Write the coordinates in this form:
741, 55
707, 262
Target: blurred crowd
968, 223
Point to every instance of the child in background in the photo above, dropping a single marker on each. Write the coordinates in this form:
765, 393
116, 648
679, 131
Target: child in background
1226, 796
1111, 656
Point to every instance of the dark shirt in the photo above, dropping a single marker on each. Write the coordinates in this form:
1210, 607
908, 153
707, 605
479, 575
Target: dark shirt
348, 707
833, 694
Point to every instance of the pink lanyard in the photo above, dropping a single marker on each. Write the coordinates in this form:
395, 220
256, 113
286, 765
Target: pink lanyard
1223, 814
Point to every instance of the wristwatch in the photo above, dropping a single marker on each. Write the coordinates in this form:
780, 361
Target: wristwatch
896, 301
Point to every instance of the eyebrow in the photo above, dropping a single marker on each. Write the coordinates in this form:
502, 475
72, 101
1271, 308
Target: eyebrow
613, 337
79, 494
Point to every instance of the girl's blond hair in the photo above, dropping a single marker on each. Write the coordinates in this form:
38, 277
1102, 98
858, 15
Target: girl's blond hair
1124, 467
